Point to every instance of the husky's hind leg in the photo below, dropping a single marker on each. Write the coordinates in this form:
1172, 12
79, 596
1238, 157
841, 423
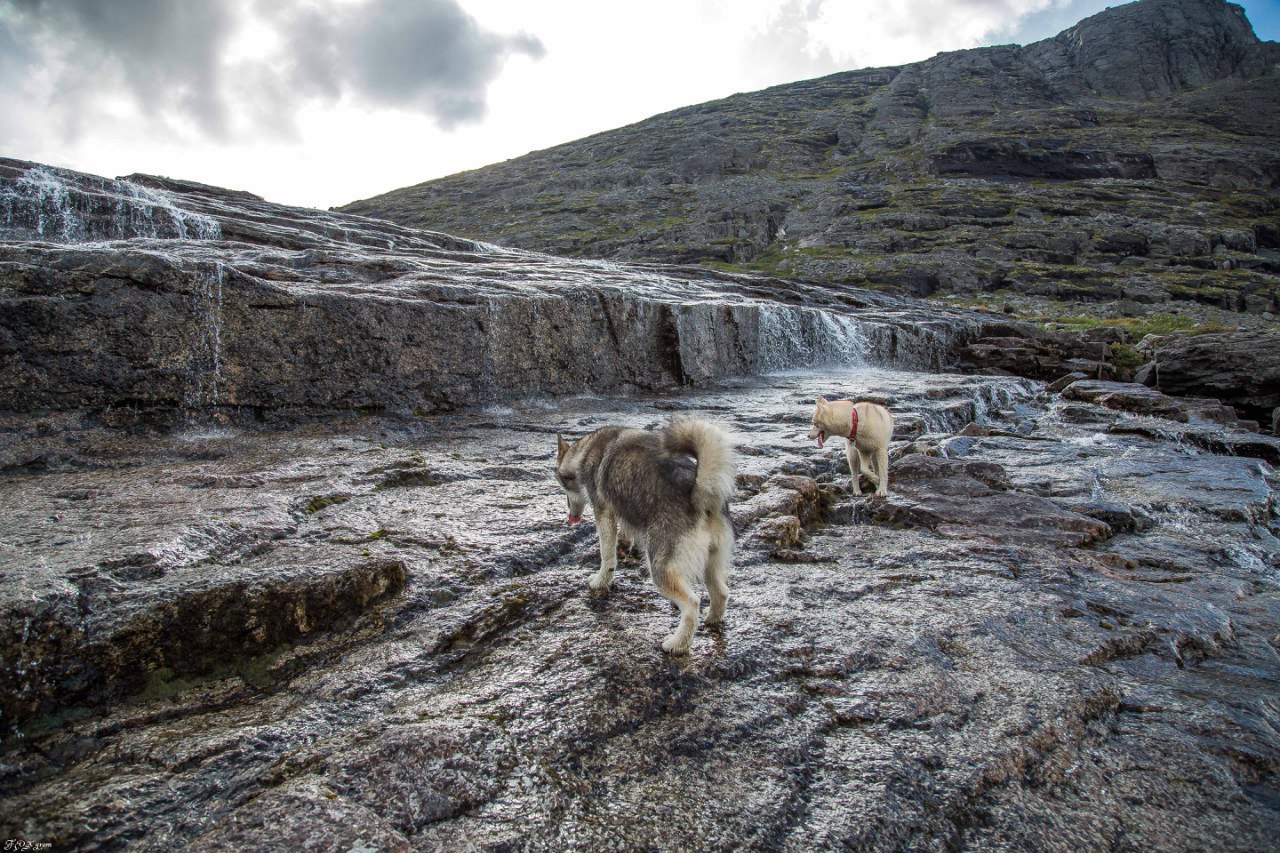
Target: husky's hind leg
674, 569
677, 643
855, 468
717, 570
607, 529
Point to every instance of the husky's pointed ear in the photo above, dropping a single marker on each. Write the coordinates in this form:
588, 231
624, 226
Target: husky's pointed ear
562, 447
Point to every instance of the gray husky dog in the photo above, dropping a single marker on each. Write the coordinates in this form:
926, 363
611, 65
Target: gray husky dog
645, 485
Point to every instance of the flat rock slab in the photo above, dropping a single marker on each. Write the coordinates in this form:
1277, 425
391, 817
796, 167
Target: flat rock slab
968, 499
1006, 662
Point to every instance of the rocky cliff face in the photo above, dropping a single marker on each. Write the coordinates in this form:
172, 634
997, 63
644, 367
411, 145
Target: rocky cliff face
1242, 370
151, 299
1132, 157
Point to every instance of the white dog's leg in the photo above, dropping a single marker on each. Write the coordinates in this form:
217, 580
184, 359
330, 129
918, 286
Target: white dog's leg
607, 528
855, 468
882, 466
716, 574
867, 462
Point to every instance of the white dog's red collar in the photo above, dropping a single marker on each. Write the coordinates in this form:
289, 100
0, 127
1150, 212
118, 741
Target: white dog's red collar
853, 417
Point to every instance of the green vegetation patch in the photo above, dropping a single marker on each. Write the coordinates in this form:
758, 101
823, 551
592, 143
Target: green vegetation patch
1137, 327
319, 502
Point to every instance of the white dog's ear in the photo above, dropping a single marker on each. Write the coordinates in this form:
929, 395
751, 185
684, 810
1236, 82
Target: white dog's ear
822, 401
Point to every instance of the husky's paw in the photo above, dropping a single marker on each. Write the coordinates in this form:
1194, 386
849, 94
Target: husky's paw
675, 644
600, 580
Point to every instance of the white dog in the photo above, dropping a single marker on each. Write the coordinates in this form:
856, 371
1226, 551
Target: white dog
868, 427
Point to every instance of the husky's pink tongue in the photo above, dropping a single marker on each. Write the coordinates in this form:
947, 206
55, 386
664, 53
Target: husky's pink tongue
574, 519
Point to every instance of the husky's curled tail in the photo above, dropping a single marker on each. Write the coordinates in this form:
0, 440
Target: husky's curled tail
717, 470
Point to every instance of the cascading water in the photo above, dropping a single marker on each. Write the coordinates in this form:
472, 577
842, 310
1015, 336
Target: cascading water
40, 200
799, 338
206, 355
45, 204
993, 398
144, 202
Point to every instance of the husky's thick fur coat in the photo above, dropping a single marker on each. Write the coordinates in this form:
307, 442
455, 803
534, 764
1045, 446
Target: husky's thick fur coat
644, 484
868, 450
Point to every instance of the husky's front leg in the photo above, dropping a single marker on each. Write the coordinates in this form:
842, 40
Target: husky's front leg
607, 528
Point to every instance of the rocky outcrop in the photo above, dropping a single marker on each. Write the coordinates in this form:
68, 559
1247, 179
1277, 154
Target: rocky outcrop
969, 499
1139, 399
1130, 158
1018, 348
1150, 50
1241, 368
148, 299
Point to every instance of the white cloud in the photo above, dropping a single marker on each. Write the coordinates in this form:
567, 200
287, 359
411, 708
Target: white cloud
872, 34
222, 67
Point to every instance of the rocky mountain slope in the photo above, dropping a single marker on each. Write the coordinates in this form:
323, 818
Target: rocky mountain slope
1135, 157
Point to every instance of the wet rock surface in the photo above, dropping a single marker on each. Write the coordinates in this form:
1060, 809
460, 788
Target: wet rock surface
1019, 348
1056, 632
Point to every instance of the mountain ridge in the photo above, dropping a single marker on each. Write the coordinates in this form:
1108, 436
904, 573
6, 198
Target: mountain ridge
1131, 157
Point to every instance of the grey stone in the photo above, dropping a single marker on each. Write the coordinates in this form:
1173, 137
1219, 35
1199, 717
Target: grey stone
1047, 653
1239, 368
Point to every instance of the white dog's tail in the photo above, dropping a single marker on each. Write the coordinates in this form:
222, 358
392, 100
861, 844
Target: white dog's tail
717, 470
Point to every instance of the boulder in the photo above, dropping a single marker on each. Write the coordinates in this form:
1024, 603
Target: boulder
1240, 368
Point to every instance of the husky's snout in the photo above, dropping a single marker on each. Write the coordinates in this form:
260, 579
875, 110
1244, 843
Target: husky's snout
577, 505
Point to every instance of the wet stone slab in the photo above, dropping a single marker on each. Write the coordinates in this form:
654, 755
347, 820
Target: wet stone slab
378, 633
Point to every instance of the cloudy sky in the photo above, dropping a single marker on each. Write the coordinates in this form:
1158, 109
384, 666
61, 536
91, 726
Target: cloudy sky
321, 102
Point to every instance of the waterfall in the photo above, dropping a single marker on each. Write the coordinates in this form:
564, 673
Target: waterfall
145, 202
727, 338
793, 338
47, 204
206, 354
40, 201
724, 339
